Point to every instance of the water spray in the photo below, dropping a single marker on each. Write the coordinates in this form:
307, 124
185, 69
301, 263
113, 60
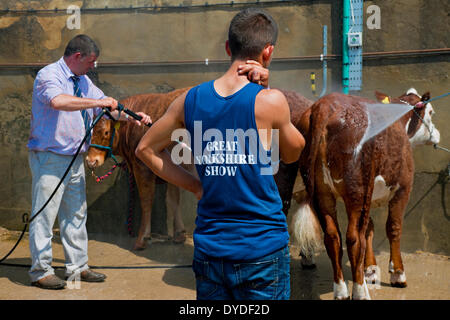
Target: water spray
382, 115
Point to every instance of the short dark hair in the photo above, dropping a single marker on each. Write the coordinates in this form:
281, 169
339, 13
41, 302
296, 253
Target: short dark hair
83, 44
250, 31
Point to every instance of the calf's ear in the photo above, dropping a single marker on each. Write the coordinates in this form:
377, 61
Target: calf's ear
426, 96
381, 97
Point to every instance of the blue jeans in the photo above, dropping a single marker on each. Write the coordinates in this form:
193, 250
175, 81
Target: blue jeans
266, 278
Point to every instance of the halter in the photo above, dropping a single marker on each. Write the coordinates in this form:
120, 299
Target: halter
430, 130
111, 141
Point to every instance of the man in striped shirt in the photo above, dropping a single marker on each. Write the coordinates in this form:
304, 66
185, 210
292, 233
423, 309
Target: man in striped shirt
64, 104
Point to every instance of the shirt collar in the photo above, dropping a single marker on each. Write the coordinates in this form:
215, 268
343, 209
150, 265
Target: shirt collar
65, 68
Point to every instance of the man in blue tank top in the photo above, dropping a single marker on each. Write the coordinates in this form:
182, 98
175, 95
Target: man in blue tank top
236, 129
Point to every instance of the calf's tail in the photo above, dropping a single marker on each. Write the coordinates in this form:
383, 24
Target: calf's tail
307, 231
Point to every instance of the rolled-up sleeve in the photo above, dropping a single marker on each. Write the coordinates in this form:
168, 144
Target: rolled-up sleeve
46, 88
95, 93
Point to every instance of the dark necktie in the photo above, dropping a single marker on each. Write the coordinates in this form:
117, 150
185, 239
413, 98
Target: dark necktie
77, 93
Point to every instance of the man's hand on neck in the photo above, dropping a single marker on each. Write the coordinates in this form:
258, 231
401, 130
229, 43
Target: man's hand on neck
255, 72
231, 81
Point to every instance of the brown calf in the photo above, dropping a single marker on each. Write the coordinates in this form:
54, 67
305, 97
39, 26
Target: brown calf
128, 136
334, 166
124, 144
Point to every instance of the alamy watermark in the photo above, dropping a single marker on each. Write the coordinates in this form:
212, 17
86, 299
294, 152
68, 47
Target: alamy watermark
373, 277
221, 155
74, 280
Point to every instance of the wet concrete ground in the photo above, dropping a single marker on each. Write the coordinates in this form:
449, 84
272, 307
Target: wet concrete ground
151, 275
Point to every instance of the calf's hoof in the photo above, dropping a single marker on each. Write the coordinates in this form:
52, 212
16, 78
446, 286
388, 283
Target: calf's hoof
140, 245
398, 279
340, 291
308, 266
307, 262
360, 292
179, 237
399, 285
342, 298
371, 274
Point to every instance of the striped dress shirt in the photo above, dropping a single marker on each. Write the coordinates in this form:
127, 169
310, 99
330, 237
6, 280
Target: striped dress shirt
53, 130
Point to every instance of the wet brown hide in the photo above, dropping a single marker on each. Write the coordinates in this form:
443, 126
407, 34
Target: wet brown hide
125, 143
129, 135
334, 165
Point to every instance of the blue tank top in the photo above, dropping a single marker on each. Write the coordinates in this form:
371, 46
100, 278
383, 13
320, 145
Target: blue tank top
240, 214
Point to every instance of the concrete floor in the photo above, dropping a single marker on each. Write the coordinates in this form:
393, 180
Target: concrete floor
427, 274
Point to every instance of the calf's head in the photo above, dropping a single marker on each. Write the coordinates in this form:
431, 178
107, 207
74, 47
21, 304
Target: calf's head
101, 135
419, 127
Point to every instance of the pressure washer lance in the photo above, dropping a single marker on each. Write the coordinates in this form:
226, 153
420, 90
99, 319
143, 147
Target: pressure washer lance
139, 118
121, 108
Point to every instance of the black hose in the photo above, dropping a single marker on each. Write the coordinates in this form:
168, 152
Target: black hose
178, 266
27, 222
131, 113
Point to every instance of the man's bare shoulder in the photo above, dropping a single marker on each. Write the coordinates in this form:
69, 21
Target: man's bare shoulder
176, 108
271, 101
271, 96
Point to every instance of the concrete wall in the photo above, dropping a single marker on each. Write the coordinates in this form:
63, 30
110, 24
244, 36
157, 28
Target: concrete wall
160, 35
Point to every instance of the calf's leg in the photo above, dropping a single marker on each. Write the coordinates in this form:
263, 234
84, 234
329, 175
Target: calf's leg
145, 181
356, 246
174, 219
393, 230
326, 204
370, 263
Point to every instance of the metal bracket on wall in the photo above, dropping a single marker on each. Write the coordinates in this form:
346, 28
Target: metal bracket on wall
355, 45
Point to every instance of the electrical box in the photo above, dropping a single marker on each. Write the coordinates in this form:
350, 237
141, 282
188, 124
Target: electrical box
355, 39
355, 45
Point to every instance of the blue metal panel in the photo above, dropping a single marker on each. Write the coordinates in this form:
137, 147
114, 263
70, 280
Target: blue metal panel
355, 52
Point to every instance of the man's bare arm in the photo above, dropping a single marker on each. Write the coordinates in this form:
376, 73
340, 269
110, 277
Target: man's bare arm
66, 102
274, 108
152, 149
